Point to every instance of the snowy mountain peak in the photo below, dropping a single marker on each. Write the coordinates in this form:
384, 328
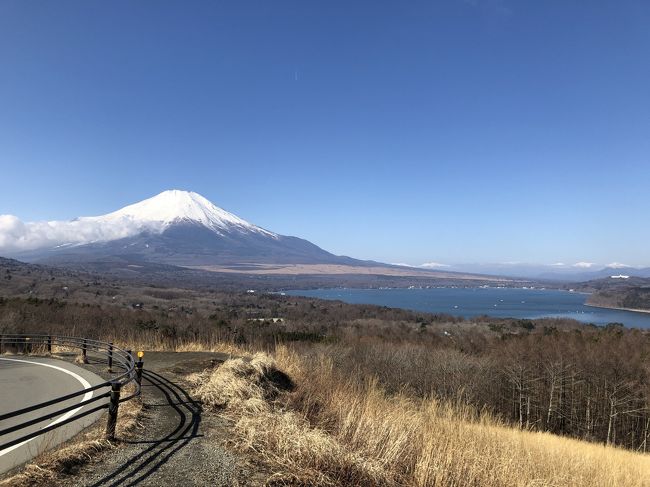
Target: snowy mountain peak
174, 206
153, 215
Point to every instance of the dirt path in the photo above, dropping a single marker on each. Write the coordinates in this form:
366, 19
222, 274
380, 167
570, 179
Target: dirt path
177, 444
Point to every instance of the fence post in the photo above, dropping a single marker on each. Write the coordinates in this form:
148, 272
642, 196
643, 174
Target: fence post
49, 344
138, 372
113, 406
84, 356
2, 339
110, 357
26, 347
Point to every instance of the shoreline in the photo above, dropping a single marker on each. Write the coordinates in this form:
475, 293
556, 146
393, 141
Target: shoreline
633, 310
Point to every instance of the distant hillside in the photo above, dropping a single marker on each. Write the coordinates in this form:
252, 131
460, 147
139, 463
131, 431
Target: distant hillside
44, 281
632, 293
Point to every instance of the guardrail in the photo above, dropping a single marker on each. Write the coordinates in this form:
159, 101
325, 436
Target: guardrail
120, 362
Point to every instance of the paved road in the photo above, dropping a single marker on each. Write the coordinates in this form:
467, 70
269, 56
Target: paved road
25, 381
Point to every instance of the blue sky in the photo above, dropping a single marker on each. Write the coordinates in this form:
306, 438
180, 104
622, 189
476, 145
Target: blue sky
447, 131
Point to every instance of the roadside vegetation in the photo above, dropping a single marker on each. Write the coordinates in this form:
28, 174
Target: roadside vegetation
316, 423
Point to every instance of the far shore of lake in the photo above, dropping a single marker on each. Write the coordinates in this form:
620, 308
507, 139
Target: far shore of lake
634, 310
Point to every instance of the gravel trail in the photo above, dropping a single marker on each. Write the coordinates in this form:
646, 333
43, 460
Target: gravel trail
177, 444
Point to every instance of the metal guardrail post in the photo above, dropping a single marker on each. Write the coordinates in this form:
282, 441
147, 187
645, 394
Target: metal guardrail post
138, 372
1, 343
113, 406
84, 355
49, 344
110, 357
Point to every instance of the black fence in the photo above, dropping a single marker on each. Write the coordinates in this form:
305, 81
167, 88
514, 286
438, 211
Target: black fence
120, 364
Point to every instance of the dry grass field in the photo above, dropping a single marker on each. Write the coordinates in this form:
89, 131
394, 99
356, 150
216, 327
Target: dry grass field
317, 425
340, 269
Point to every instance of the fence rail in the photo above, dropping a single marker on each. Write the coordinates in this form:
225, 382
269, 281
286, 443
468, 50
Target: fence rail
120, 363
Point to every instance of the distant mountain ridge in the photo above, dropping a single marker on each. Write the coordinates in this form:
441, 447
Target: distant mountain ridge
581, 271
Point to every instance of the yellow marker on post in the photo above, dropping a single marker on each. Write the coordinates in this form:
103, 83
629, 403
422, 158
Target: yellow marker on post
138, 368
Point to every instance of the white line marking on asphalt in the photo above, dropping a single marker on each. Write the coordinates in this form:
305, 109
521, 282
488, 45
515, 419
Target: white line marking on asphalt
87, 396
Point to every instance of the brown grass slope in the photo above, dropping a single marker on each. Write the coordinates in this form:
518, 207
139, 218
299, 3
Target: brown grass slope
334, 429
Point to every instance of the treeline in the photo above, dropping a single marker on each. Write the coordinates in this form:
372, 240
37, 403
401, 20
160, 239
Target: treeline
170, 317
548, 375
592, 386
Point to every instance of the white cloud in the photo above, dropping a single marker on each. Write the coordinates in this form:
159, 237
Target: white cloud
558, 264
17, 236
12, 231
402, 264
433, 265
584, 265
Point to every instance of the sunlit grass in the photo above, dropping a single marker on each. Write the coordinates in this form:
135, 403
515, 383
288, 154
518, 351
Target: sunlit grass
335, 429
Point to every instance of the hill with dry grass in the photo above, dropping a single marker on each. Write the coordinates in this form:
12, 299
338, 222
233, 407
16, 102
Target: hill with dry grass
315, 424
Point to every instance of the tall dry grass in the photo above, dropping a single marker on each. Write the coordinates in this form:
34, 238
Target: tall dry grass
157, 344
335, 429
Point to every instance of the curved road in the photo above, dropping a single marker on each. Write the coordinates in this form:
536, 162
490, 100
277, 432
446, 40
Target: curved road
25, 381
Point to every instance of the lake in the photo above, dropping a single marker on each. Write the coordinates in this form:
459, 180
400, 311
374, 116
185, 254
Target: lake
499, 302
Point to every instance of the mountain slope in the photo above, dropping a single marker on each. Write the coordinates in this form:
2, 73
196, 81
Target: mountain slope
186, 243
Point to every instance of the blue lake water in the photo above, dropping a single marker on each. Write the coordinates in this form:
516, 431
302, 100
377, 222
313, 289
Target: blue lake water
500, 302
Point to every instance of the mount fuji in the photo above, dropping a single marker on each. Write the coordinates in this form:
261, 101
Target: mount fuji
179, 228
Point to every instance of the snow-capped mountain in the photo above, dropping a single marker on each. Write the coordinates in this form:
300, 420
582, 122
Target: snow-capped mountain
172, 207
174, 227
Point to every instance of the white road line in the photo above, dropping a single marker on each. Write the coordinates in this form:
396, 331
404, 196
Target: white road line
86, 396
